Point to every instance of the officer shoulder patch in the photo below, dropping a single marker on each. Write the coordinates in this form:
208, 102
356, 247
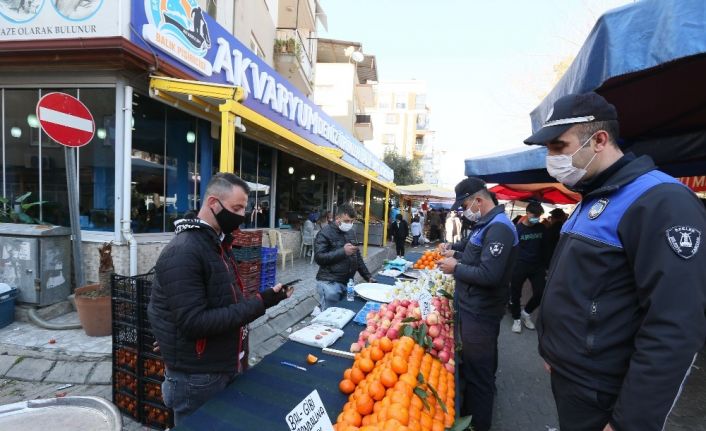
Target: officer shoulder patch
495, 248
598, 208
684, 240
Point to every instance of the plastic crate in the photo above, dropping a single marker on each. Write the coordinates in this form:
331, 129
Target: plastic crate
268, 255
124, 381
125, 358
155, 415
124, 287
151, 391
246, 253
250, 238
126, 335
125, 311
7, 307
268, 275
152, 367
127, 404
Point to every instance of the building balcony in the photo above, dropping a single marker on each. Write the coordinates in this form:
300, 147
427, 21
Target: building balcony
363, 127
293, 61
365, 96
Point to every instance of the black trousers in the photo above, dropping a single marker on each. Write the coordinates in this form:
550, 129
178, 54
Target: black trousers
536, 276
581, 408
399, 244
479, 356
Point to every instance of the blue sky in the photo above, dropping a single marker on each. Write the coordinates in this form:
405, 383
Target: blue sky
487, 63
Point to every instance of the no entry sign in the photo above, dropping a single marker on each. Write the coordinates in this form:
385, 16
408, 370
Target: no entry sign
65, 119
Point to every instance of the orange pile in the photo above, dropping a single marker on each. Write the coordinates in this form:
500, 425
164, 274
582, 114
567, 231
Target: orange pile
428, 260
383, 399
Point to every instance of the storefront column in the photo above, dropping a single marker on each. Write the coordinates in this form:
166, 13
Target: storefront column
387, 211
206, 157
227, 163
366, 228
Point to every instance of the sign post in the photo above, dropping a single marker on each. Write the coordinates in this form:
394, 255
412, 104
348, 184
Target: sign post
68, 122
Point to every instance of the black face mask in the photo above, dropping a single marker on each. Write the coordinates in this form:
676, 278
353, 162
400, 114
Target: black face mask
228, 220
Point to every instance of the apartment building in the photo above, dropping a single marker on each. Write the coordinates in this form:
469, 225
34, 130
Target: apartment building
402, 117
344, 85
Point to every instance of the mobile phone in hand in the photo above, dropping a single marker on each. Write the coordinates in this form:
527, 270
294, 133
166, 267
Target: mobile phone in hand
289, 285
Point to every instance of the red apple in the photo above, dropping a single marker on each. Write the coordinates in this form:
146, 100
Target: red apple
444, 356
355, 348
438, 343
393, 333
434, 331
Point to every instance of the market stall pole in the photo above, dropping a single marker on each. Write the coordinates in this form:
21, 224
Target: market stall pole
385, 217
366, 227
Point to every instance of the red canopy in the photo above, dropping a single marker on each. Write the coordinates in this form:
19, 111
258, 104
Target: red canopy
552, 193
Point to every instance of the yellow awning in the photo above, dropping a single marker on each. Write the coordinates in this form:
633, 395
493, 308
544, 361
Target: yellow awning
215, 102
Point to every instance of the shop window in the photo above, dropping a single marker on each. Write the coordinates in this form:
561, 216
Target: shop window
34, 163
164, 165
302, 189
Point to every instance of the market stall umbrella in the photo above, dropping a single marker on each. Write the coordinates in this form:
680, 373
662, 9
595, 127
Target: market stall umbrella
426, 191
551, 193
522, 165
649, 60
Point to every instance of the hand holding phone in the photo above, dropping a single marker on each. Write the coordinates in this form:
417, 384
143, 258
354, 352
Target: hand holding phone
289, 286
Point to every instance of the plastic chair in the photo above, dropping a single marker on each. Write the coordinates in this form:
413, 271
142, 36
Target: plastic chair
276, 241
307, 244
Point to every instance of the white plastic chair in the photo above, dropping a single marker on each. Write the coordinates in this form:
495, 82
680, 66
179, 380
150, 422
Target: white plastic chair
276, 241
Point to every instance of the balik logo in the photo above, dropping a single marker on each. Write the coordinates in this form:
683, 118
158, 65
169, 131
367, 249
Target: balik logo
179, 28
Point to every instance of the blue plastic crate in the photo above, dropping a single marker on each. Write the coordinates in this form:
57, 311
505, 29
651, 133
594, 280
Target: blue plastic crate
246, 253
7, 307
269, 255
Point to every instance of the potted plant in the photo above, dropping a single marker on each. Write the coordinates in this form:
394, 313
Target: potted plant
15, 212
93, 300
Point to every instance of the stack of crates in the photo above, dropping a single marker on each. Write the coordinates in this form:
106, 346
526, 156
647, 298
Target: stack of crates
268, 274
247, 247
137, 371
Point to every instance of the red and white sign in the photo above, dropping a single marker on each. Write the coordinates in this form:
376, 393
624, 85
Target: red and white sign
697, 184
65, 119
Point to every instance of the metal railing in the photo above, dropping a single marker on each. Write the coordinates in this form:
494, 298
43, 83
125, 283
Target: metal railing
302, 49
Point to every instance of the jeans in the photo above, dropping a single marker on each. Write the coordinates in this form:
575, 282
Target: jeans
479, 355
330, 292
581, 408
185, 393
536, 276
415, 240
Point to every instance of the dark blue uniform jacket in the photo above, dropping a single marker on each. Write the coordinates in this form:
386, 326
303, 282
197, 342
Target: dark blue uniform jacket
623, 311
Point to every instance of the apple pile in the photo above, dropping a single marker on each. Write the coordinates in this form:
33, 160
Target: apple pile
404, 317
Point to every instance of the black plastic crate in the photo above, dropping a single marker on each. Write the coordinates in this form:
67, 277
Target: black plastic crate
124, 287
125, 311
127, 404
156, 415
151, 391
151, 366
124, 381
125, 358
126, 335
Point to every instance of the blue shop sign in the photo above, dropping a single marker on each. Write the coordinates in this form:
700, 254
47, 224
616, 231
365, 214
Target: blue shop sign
197, 44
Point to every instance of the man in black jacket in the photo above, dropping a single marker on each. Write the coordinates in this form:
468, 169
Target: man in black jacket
482, 266
197, 310
530, 266
622, 316
398, 232
337, 257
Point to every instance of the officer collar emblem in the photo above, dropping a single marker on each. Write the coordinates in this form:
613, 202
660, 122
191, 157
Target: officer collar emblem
598, 208
684, 240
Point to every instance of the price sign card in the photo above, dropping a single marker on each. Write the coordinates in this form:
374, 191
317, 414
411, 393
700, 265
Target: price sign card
309, 415
425, 304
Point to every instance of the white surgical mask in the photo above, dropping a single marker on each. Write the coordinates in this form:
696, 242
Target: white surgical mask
471, 215
562, 167
345, 227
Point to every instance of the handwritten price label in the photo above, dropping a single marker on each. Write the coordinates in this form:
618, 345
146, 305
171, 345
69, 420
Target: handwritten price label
425, 304
309, 415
